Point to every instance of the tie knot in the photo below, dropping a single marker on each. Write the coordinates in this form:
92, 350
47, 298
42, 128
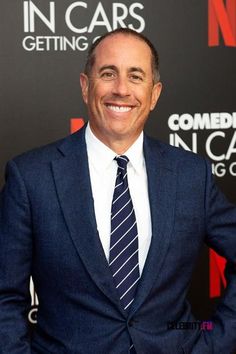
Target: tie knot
122, 162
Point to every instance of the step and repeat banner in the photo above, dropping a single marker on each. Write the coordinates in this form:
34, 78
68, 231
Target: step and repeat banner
43, 49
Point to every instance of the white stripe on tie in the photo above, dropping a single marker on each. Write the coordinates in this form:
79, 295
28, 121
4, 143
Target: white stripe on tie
123, 250
123, 235
124, 263
129, 305
121, 209
123, 221
120, 195
127, 276
129, 288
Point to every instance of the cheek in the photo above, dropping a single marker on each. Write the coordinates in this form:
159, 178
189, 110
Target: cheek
147, 102
145, 96
95, 99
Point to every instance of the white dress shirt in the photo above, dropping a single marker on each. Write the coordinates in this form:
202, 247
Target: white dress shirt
103, 169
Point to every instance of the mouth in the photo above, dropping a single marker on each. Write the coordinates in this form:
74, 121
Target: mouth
119, 109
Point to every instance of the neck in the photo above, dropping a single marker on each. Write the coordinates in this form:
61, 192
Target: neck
119, 147
118, 144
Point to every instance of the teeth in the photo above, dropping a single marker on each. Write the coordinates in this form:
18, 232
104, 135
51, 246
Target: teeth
119, 108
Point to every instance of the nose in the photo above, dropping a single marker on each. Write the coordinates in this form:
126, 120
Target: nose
121, 87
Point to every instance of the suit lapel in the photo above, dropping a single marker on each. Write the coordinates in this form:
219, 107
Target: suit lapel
71, 174
162, 191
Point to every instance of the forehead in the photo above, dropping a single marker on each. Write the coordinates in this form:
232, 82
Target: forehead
123, 50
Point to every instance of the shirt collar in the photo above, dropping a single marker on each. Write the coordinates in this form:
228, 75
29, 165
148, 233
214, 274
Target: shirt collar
135, 154
102, 157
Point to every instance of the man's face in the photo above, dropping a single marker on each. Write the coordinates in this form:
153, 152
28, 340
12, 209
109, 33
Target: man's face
119, 91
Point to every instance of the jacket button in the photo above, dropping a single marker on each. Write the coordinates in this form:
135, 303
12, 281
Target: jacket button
130, 323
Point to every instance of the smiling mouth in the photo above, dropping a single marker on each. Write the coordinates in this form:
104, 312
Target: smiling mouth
119, 109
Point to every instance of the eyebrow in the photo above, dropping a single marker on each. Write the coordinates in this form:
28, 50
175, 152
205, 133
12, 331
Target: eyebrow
105, 67
130, 70
137, 69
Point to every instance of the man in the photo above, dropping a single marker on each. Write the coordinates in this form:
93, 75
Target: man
75, 215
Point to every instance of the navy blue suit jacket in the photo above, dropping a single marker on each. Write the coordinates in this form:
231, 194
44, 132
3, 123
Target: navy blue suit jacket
48, 229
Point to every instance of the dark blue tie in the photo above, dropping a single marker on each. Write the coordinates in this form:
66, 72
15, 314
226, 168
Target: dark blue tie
123, 259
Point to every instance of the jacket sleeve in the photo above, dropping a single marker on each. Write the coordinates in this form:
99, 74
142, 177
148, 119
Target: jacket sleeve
221, 236
15, 264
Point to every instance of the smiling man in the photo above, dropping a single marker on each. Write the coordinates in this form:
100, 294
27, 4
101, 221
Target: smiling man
110, 223
120, 89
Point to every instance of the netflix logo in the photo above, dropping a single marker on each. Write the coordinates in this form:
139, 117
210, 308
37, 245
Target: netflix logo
222, 20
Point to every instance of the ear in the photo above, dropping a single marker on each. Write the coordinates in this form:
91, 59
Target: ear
84, 83
156, 91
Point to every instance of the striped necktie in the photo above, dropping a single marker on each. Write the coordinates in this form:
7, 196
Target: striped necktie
123, 259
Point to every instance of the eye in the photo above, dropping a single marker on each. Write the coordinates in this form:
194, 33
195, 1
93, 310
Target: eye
136, 78
108, 75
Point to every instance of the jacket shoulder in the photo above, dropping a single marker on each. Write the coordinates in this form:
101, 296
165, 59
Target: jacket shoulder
178, 158
173, 152
53, 151
41, 154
